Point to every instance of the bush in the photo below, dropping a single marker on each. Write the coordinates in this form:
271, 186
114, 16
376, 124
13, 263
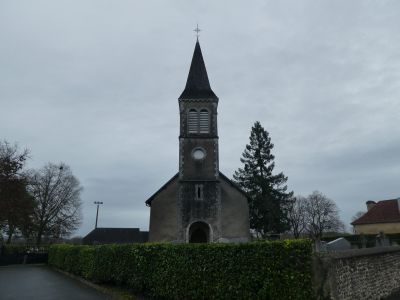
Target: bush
261, 270
13, 249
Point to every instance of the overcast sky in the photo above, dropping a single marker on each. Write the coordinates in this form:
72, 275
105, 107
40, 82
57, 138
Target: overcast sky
95, 84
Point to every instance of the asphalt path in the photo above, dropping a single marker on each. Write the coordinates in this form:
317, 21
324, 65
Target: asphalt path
21, 282
395, 296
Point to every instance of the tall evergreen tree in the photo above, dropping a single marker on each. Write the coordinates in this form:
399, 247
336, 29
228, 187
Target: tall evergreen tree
268, 196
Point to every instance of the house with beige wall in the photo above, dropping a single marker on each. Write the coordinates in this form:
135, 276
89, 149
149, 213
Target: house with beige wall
382, 216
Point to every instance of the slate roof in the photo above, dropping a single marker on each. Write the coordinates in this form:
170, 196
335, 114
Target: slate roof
115, 236
197, 84
384, 211
148, 201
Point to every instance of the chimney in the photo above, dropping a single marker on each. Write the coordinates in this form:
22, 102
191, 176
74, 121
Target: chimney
370, 204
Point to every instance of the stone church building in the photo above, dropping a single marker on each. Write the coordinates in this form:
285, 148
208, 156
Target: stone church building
199, 203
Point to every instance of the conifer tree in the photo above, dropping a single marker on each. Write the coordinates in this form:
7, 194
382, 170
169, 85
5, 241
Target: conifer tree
268, 196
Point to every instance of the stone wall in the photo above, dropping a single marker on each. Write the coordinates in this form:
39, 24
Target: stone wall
371, 273
163, 214
234, 214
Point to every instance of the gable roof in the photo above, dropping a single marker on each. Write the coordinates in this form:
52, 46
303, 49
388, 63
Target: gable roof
197, 84
384, 211
116, 235
234, 185
148, 201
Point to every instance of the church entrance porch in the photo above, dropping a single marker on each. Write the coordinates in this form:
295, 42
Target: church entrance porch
199, 232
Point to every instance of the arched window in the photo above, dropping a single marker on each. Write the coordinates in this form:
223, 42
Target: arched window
199, 232
193, 121
204, 121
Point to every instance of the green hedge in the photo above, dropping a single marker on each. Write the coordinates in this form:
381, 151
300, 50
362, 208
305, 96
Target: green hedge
261, 270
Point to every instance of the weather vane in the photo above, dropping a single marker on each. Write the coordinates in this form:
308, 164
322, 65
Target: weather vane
197, 31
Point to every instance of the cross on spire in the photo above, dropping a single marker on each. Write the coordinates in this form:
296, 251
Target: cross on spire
197, 30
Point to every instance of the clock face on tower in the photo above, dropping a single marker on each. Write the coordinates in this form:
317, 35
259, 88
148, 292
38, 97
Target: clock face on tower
198, 154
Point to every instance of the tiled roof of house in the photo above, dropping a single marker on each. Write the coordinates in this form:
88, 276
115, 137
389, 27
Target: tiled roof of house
385, 211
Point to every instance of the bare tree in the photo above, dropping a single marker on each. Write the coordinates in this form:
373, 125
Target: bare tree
297, 216
58, 205
322, 215
16, 205
357, 215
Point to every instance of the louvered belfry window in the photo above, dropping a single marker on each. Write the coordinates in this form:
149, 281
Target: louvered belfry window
204, 121
198, 122
193, 121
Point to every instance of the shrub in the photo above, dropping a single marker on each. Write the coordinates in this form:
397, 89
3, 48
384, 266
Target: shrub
13, 249
260, 270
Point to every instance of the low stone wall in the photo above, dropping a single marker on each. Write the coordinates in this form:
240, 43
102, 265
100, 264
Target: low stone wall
371, 273
20, 258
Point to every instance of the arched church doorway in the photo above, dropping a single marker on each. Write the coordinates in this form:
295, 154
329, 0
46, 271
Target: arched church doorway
199, 232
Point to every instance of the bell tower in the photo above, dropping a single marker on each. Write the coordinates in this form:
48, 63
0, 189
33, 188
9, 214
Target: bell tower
199, 198
198, 204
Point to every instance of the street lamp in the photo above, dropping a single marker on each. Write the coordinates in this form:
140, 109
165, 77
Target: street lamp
97, 213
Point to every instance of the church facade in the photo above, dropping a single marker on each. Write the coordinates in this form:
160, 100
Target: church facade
199, 203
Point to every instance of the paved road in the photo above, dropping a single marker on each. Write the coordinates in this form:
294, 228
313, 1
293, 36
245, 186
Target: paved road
395, 296
42, 283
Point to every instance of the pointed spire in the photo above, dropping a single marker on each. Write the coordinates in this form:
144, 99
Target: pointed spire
197, 84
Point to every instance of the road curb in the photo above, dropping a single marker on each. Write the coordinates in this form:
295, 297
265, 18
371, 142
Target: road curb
23, 265
113, 295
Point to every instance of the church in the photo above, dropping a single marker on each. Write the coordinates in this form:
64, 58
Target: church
199, 204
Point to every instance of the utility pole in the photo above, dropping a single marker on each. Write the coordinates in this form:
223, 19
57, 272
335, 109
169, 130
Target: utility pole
97, 213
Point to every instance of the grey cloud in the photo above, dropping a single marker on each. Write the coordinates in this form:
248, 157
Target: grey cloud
96, 84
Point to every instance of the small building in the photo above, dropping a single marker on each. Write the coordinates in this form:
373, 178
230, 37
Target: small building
382, 216
115, 236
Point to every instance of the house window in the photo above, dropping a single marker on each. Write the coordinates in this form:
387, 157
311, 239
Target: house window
198, 192
193, 121
204, 121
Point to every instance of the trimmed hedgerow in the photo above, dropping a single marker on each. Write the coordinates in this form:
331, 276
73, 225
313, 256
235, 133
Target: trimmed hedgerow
261, 270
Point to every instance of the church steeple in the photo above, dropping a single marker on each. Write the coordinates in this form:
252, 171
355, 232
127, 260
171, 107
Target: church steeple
197, 84
199, 204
